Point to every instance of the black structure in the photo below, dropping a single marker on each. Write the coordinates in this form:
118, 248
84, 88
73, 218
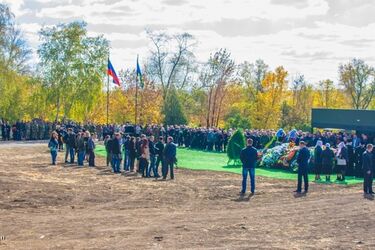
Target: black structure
360, 120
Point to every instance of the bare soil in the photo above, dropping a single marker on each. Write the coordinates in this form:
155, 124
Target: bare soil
66, 207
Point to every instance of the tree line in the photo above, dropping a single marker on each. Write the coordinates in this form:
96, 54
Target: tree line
69, 82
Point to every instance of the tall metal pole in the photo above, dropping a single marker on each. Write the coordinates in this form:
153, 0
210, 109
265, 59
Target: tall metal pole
136, 96
107, 93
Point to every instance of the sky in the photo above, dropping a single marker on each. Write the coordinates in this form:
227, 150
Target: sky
310, 37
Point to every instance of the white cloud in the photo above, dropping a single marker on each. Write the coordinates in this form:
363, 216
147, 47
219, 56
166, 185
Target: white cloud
307, 36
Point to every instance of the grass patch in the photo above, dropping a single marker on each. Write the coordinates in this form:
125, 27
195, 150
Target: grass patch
212, 161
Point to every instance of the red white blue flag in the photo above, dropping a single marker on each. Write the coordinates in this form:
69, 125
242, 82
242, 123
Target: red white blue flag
111, 71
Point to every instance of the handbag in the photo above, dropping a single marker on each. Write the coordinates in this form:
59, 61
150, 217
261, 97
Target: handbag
341, 162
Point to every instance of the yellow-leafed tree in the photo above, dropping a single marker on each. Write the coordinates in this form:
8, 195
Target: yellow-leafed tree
268, 102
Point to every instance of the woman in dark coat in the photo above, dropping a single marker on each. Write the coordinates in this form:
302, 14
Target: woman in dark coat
318, 159
327, 161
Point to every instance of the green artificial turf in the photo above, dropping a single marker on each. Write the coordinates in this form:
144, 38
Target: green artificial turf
200, 160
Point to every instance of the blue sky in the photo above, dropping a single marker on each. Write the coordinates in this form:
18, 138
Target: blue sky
305, 36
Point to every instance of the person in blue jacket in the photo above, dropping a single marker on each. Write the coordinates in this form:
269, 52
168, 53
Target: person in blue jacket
169, 157
53, 146
91, 148
116, 153
249, 157
303, 167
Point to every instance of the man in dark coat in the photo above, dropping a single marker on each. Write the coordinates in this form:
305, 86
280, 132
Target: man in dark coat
170, 152
368, 169
108, 148
70, 144
159, 154
248, 156
303, 167
152, 149
116, 153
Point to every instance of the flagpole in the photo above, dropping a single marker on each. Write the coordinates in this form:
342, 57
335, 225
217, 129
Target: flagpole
136, 96
107, 92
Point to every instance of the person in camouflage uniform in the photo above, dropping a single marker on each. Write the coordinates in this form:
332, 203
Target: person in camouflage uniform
33, 130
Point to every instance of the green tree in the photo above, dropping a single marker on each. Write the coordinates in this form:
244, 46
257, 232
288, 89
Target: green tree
235, 145
358, 80
73, 68
235, 119
14, 54
14, 51
172, 110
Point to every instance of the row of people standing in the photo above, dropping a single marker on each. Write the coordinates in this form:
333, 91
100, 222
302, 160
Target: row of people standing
326, 161
141, 154
249, 158
81, 144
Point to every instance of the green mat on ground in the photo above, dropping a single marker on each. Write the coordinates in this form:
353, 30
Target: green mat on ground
199, 160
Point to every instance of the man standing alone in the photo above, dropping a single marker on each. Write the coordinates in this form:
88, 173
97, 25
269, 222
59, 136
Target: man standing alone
368, 169
303, 167
170, 151
248, 156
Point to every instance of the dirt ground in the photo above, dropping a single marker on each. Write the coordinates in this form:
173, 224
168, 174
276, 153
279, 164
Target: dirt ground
66, 207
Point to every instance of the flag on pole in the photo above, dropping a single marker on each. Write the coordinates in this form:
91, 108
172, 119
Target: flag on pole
139, 74
111, 71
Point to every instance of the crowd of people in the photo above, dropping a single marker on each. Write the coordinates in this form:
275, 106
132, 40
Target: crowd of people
145, 148
125, 152
322, 159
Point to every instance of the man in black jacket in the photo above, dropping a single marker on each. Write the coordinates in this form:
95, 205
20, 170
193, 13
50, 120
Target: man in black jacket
303, 167
368, 169
159, 153
248, 156
116, 153
70, 144
169, 152
152, 149
108, 148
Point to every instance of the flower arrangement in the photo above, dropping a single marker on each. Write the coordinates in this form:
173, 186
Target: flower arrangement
283, 156
272, 156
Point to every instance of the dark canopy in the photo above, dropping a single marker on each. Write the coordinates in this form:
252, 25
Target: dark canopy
350, 119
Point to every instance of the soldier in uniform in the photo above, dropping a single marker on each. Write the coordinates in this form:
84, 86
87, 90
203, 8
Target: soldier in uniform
27, 131
33, 129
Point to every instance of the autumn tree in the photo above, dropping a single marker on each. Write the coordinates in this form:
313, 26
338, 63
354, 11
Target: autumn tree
330, 96
214, 77
252, 75
268, 103
358, 80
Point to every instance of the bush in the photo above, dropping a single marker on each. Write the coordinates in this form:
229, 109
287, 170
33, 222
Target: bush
235, 145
